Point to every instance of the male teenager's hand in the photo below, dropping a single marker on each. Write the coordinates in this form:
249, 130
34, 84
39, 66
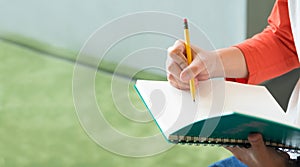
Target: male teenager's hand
258, 155
203, 66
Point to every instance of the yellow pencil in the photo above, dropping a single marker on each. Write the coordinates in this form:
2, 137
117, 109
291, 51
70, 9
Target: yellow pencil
189, 56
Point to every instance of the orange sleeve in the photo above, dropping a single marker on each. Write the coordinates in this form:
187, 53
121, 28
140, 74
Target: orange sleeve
271, 52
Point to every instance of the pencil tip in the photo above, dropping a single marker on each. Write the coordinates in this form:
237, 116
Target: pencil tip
194, 100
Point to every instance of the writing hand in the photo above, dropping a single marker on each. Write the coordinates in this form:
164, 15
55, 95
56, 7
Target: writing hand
179, 72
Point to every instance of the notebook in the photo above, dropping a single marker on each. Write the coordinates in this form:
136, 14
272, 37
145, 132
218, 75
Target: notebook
224, 113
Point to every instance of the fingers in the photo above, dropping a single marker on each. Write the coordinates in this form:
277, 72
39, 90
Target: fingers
257, 143
283, 154
179, 46
174, 69
177, 83
176, 63
251, 156
238, 152
258, 154
193, 70
179, 72
179, 59
177, 53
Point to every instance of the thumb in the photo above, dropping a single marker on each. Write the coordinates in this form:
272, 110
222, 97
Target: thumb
257, 142
191, 71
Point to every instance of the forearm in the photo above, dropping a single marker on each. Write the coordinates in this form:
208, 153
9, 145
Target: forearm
272, 52
233, 62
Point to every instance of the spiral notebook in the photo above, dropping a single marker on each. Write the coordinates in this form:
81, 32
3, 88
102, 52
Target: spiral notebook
224, 113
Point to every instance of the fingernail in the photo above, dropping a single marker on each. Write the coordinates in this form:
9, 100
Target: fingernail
254, 137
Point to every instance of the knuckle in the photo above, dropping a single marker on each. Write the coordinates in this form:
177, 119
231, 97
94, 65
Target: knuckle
193, 68
170, 67
182, 64
174, 84
173, 52
170, 49
176, 48
177, 41
169, 77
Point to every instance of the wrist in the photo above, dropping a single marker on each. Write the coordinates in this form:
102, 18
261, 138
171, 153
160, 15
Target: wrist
233, 61
213, 63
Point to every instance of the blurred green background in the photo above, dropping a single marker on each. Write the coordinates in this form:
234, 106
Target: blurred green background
39, 42
39, 126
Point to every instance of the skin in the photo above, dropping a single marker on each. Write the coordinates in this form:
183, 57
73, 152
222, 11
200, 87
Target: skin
258, 155
230, 63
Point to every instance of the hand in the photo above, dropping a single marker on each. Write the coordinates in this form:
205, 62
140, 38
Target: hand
204, 65
258, 155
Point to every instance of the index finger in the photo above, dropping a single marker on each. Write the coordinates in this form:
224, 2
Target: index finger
177, 53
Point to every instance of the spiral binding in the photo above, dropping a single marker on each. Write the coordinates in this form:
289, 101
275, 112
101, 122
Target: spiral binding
177, 139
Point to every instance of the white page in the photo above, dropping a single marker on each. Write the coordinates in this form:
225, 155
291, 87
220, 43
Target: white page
174, 109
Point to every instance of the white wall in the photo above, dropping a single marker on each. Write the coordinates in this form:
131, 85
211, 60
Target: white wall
69, 23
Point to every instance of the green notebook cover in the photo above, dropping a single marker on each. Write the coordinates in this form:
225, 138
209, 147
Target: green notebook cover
234, 128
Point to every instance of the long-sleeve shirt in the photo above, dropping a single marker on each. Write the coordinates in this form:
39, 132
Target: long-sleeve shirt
271, 52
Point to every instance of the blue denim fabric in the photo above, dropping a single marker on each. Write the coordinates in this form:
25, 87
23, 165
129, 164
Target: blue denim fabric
229, 162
